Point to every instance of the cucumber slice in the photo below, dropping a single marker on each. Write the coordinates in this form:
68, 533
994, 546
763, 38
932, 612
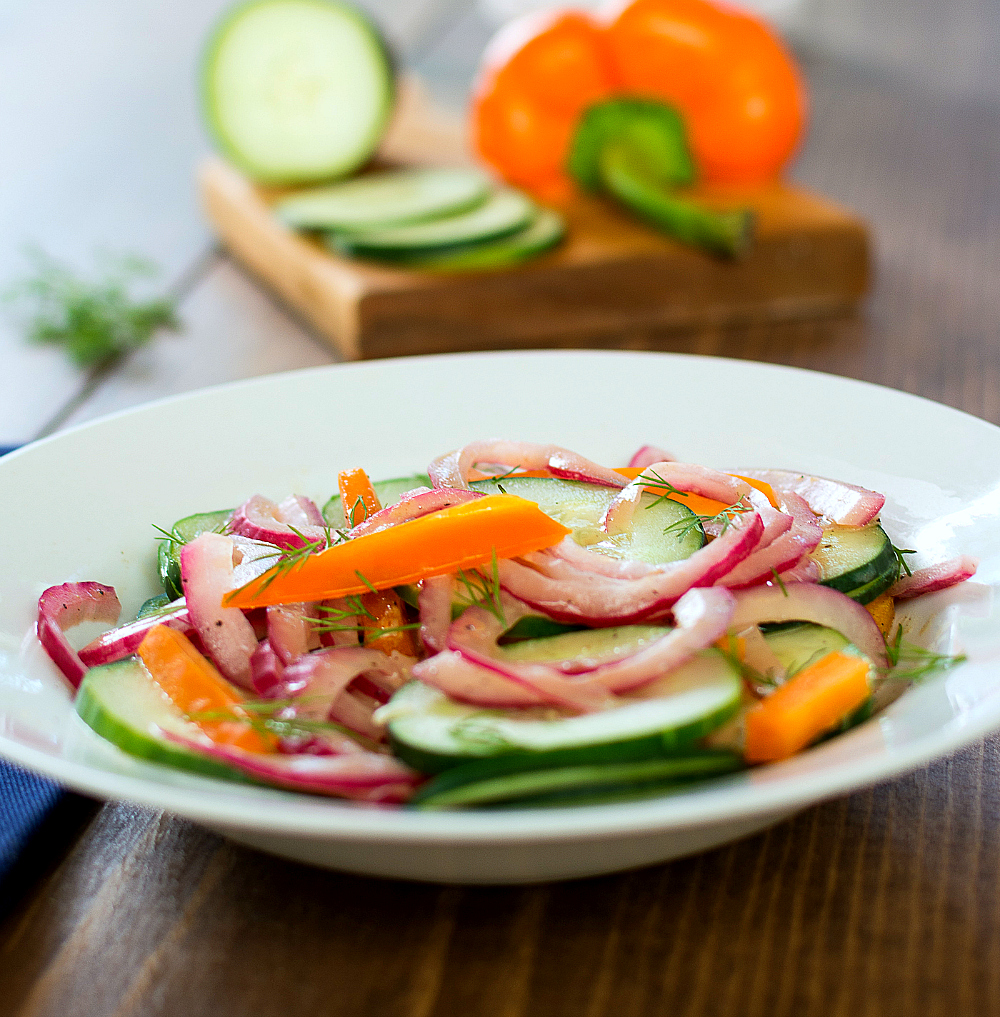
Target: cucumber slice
535, 626
803, 644
590, 647
390, 198
388, 492
168, 555
472, 784
660, 532
123, 704
857, 561
297, 90
542, 234
505, 211
432, 732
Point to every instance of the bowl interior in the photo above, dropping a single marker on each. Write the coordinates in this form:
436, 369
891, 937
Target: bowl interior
82, 506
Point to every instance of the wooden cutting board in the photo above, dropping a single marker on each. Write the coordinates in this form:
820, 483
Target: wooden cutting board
611, 277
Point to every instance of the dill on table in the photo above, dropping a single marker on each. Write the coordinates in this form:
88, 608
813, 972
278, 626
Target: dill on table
94, 320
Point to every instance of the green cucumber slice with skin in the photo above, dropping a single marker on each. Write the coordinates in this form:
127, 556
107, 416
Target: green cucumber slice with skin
505, 211
595, 646
433, 733
803, 644
472, 784
388, 492
537, 626
389, 198
658, 531
123, 704
857, 561
296, 91
543, 233
168, 555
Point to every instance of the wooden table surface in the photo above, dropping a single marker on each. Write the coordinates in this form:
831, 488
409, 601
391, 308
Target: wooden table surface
885, 902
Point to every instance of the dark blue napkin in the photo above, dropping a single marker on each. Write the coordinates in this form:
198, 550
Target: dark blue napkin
25, 800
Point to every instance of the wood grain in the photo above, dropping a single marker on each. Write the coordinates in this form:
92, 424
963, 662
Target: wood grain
886, 902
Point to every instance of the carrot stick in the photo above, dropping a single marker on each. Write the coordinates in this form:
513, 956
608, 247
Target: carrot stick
462, 536
193, 685
805, 706
357, 496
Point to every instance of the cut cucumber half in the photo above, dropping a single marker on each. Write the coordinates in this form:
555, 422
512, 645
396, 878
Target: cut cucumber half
123, 704
542, 234
297, 90
433, 733
802, 645
857, 561
390, 198
473, 784
505, 211
168, 555
388, 492
588, 647
660, 531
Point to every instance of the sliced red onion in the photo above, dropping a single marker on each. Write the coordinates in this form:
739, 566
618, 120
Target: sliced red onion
252, 558
360, 776
119, 643
841, 503
811, 603
412, 505
648, 455
758, 654
366, 687
468, 682
435, 610
452, 470
702, 616
290, 630
566, 593
299, 511
935, 577
257, 518
317, 679
346, 631
267, 672
354, 712
806, 570
64, 606
783, 552
207, 576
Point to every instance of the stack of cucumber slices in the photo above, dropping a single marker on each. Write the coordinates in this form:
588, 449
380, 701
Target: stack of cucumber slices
296, 92
439, 219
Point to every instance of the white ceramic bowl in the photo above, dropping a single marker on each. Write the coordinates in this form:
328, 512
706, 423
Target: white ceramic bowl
81, 506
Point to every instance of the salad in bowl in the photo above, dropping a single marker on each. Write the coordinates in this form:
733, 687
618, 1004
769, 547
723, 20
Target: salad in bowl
518, 626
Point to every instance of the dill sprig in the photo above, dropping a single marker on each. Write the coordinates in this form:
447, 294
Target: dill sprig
264, 717
94, 321
338, 619
655, 481
682, 527
908, 662
482, 591
287, 559
899, 552
748, 673
779, 581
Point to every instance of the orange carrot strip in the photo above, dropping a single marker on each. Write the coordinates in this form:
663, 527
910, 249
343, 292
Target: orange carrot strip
357, 496
462, 536
765, 489
805, 706
193, 685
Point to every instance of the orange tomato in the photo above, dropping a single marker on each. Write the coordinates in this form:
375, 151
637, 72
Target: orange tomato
728, 74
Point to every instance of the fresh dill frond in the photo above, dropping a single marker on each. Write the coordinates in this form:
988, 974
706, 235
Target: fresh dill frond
899, 552
682, 527
94, 321
657, 482
779, 581
287, 559
340, 619
748, 673
913, 663
482, 591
